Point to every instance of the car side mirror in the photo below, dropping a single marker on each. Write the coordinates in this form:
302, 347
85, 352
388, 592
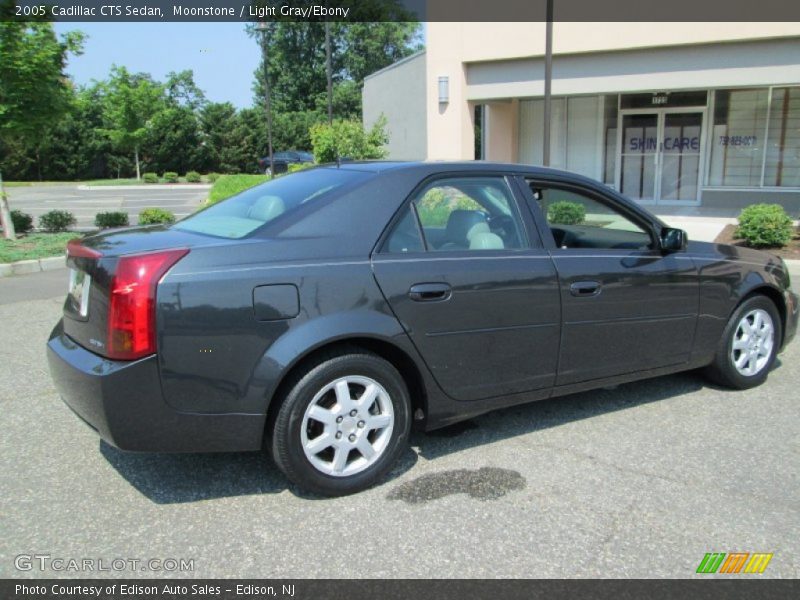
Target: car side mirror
673, 240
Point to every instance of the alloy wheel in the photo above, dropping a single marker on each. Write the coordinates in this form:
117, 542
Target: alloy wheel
753, 341
347, 426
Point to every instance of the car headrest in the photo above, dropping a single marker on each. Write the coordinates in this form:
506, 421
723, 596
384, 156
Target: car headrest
460, 223
486, 241
266, 208
482, 227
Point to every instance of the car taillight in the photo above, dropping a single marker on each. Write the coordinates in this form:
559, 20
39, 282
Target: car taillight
132, 306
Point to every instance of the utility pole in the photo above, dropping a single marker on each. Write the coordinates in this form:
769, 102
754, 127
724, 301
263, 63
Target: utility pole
264, 29
329, 70
548, 80
5, 214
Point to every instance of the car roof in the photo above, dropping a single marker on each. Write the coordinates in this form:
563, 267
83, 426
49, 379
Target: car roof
433, 166
424, 169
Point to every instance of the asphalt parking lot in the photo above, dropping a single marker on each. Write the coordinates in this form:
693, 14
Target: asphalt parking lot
637, 481
86, 203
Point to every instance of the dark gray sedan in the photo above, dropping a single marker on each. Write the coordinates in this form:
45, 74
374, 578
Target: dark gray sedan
322, 313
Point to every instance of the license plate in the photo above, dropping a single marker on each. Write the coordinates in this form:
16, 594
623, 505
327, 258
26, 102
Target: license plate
79, 285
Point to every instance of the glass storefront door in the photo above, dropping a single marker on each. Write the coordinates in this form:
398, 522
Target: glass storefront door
639, 155
661, 155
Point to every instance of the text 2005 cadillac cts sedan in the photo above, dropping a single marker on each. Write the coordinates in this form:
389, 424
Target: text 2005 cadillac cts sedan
320, 313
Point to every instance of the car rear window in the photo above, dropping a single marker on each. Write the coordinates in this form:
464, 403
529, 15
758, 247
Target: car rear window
242, 214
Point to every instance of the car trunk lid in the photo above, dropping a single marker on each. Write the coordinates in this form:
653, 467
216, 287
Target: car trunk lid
109, 308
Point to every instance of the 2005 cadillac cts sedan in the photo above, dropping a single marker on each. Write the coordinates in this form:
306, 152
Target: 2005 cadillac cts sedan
320, 313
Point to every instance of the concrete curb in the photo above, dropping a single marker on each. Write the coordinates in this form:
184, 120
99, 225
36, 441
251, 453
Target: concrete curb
26, 267
152, 186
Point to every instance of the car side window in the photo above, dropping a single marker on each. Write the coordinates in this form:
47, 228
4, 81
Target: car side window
405, 236
578, 220
471, 214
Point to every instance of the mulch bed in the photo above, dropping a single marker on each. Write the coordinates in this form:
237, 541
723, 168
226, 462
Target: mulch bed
790, 251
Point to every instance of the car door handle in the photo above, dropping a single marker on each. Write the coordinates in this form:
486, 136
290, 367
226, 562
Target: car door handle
430, 292
585, 289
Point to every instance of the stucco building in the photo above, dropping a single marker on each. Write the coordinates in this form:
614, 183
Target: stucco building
682, 114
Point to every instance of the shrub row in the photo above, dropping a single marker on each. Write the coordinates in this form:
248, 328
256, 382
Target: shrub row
61, 220
148, 216
172, 177
765, 226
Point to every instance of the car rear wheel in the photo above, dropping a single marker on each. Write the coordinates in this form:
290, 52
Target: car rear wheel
749, 344
343, 423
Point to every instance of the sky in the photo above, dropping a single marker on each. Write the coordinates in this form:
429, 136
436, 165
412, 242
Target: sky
222, 56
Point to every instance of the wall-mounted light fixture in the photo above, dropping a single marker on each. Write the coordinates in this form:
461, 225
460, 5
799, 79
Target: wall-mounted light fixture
444, 89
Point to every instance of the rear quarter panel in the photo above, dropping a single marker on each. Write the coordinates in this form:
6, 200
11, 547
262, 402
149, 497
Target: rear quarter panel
218, 354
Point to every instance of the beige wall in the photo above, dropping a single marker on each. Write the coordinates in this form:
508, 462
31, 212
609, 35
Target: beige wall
515, 40
497, 62
452, 136
398, 93
500, 134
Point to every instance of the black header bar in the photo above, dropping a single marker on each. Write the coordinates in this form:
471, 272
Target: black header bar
737, 12
708, 588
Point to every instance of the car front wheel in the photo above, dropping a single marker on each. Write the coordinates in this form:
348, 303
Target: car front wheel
749, 344
342, 424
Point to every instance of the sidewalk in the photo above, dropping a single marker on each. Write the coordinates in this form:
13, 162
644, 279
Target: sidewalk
702, 229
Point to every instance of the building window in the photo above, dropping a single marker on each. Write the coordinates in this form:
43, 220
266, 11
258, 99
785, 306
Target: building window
610, 113
576, 134
782, 167
737, 144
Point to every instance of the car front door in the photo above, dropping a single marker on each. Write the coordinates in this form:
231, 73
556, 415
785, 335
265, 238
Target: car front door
626, 305
478, 298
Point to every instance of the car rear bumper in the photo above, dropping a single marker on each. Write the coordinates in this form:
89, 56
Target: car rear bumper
123, 402
792, 312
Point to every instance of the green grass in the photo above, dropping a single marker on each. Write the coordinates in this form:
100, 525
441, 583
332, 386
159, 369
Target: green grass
93, 182
13, 184
103, 182
34, 245
229, 185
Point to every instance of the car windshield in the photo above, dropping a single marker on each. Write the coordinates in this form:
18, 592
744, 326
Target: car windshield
242, 214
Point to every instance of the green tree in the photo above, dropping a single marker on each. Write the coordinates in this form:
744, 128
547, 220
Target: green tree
76, 148
34, 90
368, 47
297, 61
348, 139
182, 90
216, 123
130, 103
172, 142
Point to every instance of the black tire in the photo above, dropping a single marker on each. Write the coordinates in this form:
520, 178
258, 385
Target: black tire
285, 442
723, 371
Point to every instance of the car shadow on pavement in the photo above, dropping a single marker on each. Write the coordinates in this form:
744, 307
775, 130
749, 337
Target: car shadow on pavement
179, 478
535, 416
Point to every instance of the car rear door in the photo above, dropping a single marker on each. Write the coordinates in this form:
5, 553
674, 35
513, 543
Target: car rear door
626, 305
465, 273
